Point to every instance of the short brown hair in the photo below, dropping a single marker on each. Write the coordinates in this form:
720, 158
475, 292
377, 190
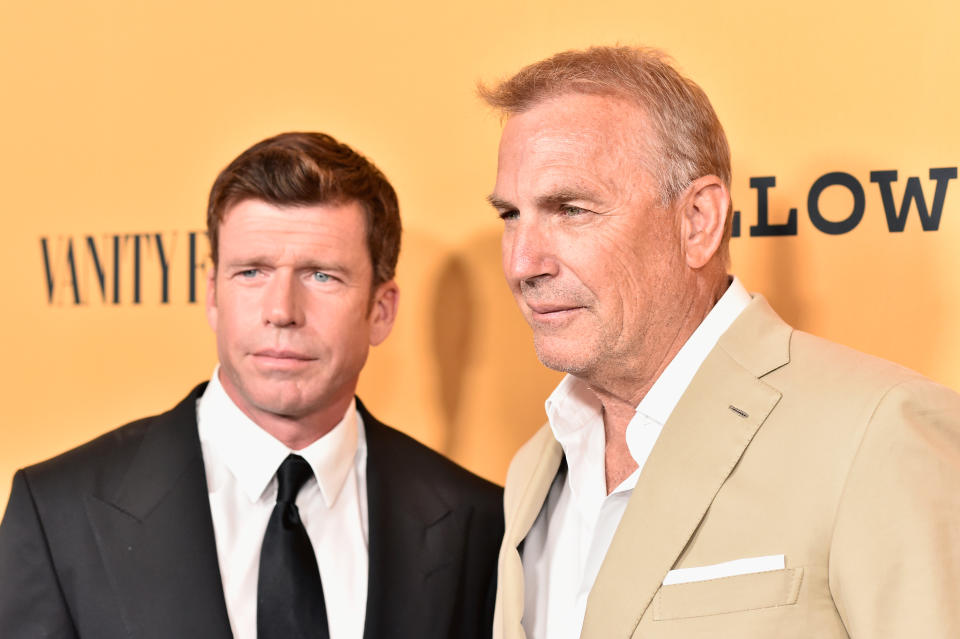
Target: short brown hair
689, 140
305, 169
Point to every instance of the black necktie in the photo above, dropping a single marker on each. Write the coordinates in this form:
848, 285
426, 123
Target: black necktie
289, 594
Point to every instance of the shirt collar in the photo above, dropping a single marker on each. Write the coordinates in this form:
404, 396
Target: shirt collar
570, 407
252, 455
576, 419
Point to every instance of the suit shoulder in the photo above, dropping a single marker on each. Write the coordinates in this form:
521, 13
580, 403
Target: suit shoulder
843, 394
97, 456
104, 458
831, 368
405, 455
805, 345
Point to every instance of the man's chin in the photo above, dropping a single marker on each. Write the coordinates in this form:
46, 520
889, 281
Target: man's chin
280, 402
561, 359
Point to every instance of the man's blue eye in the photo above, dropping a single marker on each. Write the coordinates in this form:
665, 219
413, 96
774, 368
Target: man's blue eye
248, 273
321, 276
573, 210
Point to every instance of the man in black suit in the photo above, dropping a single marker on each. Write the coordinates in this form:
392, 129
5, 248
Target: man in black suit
181, 525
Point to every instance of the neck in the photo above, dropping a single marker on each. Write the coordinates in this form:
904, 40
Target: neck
296, 432
618, 463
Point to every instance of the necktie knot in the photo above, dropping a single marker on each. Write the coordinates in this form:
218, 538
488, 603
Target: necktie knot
291, 476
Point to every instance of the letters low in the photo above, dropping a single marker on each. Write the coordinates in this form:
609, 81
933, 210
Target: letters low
837, 223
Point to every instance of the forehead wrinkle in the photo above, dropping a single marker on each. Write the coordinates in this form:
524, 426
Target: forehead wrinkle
603, 156
298, 243
561, 180
272, 243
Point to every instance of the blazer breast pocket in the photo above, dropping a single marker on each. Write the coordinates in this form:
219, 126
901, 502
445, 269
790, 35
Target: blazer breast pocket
728, 594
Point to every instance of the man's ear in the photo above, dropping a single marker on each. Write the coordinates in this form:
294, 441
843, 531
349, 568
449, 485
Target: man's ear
702, 219
383, 311
211, 299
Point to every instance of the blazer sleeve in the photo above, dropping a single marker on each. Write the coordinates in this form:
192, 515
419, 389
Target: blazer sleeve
895, 551
31, 600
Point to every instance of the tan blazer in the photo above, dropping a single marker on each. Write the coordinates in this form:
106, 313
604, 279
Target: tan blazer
783, 444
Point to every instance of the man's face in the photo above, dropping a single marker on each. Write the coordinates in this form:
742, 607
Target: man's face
592, 258
290, 303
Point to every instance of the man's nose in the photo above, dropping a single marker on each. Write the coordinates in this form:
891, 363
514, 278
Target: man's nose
282, 304
528, 251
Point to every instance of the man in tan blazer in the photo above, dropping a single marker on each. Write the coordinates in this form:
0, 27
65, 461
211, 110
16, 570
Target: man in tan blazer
707, 470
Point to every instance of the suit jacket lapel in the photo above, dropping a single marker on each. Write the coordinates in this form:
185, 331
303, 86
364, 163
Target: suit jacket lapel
521, 513
416, 541
155, 534
698, 448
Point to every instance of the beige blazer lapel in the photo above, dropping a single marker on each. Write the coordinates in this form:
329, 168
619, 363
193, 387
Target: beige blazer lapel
532, 473
699, 446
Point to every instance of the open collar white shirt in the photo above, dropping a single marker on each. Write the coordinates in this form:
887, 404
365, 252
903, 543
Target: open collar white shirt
241, 460
566, 545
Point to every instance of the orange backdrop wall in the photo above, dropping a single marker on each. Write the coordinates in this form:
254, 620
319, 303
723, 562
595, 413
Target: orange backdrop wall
116, 117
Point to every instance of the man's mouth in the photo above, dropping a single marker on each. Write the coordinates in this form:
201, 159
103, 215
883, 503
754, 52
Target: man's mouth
546, 311
281, 357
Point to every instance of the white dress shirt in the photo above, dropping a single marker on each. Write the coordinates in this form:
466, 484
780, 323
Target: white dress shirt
564, 549
241, 461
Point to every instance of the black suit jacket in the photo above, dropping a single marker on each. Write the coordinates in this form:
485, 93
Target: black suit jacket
115, 539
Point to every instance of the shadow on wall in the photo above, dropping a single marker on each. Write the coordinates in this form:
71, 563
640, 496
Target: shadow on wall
454, 328
786, 269
782, 267
492, 385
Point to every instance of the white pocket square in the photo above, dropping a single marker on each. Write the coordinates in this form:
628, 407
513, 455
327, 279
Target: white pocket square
726, 569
